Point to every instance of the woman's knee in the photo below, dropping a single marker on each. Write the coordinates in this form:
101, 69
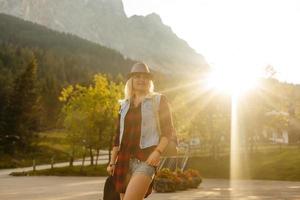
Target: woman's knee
137, 187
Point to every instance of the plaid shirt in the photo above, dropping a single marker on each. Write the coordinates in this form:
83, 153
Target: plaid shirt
131, 140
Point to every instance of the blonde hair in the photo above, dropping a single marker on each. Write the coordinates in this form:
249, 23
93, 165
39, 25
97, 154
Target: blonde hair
128, 90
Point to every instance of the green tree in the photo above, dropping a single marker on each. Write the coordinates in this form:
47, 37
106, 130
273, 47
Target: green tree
23, 110
89, 114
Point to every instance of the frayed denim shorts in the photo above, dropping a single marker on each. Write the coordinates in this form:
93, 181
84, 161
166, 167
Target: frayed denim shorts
137, 166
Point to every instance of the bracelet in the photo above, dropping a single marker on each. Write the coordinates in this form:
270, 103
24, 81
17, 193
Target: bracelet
111, 164
159, 151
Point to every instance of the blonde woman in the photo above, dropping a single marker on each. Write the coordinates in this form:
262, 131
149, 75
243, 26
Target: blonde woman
138, 143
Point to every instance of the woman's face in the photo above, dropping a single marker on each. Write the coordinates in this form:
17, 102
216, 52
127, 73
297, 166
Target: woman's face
141, 82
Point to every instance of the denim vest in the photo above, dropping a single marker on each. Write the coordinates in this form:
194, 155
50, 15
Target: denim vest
149, 132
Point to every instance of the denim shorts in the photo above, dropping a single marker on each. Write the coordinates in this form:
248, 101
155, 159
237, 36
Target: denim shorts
137, 166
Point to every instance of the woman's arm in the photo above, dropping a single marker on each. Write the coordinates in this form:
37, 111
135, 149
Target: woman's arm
154, 157
114, 153
162, 145
166, 126
112, 163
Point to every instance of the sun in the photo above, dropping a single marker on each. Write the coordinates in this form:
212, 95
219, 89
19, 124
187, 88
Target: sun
231, 80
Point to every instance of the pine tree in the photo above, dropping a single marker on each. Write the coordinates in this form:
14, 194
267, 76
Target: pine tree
22, 111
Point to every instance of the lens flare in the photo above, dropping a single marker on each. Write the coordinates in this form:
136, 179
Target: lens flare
231, 81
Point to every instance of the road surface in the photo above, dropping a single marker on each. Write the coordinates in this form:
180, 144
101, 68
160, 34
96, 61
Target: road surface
90, 188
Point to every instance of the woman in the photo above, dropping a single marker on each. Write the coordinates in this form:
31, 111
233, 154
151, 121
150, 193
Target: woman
139, 143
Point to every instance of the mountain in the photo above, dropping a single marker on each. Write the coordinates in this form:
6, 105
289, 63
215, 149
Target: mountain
143, 38
89, 56
62, 59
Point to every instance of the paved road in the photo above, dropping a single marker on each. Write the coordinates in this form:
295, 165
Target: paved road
90, 188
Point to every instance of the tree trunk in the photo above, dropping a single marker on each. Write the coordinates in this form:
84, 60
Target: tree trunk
71, 158
110, 147
83, 159
91, 155
97, 156
71, 161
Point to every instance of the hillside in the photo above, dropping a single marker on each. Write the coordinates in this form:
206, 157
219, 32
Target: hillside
27, 34
144, 38
62, 59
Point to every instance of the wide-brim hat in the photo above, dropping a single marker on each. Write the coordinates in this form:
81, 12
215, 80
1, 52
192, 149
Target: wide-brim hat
140, 68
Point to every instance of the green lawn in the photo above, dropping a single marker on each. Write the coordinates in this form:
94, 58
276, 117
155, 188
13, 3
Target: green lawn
99, 170
55, 140
278, 164
50, 144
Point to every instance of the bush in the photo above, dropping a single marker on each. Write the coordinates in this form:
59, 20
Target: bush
164, 181
168, 181
184, 182
194, 178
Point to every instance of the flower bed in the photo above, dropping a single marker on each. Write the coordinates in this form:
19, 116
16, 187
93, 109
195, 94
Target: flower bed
169, 181
194, 178
165, 181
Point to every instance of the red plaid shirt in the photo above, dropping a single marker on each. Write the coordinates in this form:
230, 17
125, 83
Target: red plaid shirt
131, 140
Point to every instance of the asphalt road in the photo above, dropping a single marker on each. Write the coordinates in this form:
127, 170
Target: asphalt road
90, 188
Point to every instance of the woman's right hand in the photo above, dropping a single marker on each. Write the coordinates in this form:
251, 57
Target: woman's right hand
110, 169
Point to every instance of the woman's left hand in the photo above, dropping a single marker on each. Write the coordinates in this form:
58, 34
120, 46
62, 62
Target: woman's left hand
153, 159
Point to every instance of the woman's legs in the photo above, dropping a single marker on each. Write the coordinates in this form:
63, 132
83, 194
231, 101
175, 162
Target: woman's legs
137, 187
122, 196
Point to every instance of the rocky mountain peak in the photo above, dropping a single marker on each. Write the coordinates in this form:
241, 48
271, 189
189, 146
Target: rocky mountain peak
154, 17
143, 38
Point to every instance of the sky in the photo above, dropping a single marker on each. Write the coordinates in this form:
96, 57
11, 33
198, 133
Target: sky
235, 34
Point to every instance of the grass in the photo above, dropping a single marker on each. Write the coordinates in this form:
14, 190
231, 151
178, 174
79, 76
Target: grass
279, 164
99, 170
41, 154
50, 144
55, 139
210, 168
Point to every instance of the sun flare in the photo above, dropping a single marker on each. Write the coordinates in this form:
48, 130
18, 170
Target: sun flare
231, 80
